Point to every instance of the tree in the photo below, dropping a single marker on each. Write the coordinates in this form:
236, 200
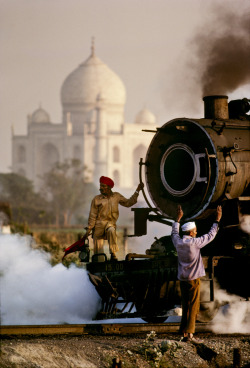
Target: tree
64, 186
18, 192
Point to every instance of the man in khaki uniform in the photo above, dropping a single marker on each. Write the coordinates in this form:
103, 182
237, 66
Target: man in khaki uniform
104, 214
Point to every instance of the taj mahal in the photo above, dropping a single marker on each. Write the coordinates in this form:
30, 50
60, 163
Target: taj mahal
92, 130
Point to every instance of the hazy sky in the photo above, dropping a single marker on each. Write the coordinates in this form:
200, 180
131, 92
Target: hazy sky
149, 43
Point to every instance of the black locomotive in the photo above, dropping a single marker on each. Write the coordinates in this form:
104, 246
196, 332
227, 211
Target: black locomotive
198, 163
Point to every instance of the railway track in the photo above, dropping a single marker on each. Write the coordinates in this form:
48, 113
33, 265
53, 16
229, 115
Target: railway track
96, 329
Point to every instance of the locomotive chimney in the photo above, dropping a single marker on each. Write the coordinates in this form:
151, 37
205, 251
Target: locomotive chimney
216, 107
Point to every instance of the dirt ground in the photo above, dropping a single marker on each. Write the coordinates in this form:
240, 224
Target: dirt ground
163, 351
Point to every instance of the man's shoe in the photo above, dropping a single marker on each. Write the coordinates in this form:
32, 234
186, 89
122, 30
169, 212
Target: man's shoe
194, 340
191, 339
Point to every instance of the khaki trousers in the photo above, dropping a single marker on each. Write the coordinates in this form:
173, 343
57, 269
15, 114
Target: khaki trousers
190, 302
112, 241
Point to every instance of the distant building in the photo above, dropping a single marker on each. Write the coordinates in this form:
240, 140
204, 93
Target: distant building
93, 130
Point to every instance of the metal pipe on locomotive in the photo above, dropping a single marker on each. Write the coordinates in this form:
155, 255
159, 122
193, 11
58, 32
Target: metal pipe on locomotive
198, 163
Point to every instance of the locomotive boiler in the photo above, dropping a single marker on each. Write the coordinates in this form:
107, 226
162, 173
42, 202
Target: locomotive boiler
197, 163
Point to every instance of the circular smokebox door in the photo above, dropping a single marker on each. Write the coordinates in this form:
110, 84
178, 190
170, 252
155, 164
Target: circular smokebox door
178, 169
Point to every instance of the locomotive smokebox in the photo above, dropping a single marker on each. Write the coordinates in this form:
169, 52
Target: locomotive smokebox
216, 107
197, 163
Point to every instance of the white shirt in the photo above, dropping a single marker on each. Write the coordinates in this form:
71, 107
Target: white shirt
190, 264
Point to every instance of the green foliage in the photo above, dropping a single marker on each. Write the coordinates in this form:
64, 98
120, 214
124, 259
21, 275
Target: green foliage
152, 351
21, 228
16, 188
66, 189
26, 205
64, 194
54, 242
6, 210
157, 354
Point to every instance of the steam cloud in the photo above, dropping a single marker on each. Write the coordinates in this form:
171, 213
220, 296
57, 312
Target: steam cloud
223, 51
245, 223
34, 292
234, 317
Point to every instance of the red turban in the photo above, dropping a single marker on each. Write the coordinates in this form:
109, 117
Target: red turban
107, 181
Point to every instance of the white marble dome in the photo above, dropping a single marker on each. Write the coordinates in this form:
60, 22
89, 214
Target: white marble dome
145, 117
90, 80
40, 116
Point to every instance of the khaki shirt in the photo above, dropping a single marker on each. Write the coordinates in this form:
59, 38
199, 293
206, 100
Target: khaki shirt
104, 211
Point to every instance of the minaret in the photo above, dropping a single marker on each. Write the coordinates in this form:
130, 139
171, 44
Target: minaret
93, 47
101, 141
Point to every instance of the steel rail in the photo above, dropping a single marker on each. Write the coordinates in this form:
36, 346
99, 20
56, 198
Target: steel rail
96, 329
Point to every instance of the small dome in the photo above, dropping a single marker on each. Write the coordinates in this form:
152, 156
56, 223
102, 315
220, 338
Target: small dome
90, 80
40, 116
145, 117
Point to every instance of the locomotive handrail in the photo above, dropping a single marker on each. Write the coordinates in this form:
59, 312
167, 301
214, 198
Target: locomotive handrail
228, 124
221, 125
143, 191
209, 174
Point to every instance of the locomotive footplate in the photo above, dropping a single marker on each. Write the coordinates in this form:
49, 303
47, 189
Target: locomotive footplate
144, 287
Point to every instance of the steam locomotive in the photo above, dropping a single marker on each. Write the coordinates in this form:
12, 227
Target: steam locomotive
197, 163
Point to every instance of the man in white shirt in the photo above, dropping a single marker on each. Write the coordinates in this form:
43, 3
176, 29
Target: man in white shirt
191, 268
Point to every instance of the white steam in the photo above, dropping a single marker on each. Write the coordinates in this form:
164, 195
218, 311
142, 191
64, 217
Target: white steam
231, 312
234, 316
245, 223
34, 292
